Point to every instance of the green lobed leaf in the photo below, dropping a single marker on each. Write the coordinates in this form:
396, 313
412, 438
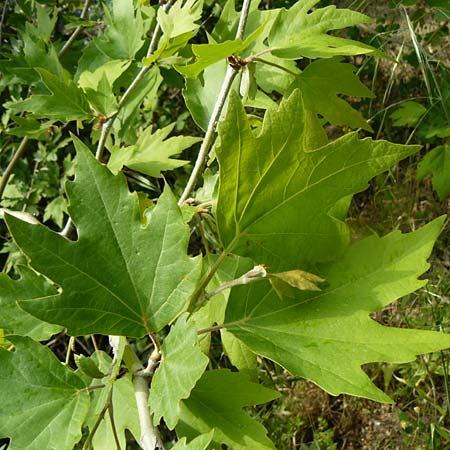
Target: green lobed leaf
326, 336
217, 401
15, 320
320, 83
119, 277
65, 103
299, 33
180, 18
276, 195
437, 162
43, 402
183, 363
152, 151
208, 54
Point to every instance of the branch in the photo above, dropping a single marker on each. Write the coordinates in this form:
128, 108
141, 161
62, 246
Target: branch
208, 141
12, 164
150, 439
76, 32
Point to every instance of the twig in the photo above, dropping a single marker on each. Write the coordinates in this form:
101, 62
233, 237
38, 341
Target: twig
150, 439
76, 32
12, 164
88, 443
106, 128
23, 145
258, 273
208, 141
2, 20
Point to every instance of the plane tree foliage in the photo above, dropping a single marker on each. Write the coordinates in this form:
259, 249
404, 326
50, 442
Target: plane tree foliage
124, 239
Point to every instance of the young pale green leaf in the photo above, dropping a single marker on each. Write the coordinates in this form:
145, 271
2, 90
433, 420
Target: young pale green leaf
180, 18
152, 151
199, 443
119, 277
15, 320
437, 162
275, 194
326, 336
43, 402
66, 101
217, 401
183, 363
208, 54
320, 83
297, 33
111, 70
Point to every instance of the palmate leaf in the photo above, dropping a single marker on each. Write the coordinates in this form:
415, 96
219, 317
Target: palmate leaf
297, 33
43, 403
326, 336
152, 152
66, 101
217, 401
180, 18
183, 363
276, 197
119, 277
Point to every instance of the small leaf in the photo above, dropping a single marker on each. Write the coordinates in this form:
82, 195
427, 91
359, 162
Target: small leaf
66, 102
437, 162
297, 33
146, 277
152, 151
180, 18
88, 366
55, 210
43, 402
217, 401
208, 54
408, 114
298, 279
183, 363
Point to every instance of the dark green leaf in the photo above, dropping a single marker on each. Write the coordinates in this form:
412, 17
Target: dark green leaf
119, 277
43, 402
